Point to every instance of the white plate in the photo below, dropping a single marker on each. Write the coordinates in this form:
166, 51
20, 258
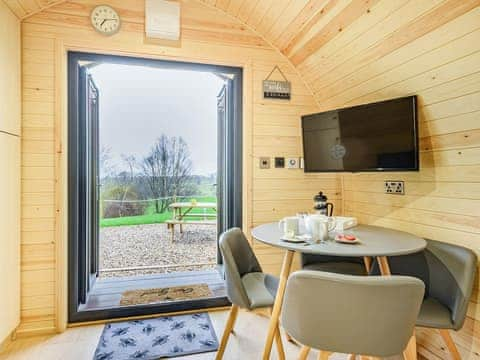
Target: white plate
295, 239
356, 241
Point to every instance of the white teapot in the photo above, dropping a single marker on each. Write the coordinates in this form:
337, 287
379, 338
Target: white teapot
318, 226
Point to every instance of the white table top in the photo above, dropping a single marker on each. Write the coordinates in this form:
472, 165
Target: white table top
375, 241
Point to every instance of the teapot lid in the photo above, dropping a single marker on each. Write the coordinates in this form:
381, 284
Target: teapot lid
320, 197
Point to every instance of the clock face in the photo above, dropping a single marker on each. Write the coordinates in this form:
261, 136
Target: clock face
105, 20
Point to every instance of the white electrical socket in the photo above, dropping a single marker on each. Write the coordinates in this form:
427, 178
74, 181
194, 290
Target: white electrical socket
394, 187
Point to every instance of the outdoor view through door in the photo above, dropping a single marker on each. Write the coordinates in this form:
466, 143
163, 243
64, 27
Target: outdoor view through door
154, 142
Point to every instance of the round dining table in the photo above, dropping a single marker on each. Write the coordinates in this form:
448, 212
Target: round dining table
374, 242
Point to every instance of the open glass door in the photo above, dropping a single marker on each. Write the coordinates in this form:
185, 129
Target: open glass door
87, 200
144, 207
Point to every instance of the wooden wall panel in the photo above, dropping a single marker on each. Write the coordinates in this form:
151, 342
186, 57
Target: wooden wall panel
10, 113
433, 53
348, 52
272, 126
10, 95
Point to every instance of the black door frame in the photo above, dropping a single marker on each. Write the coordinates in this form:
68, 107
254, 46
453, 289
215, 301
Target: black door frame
231, 195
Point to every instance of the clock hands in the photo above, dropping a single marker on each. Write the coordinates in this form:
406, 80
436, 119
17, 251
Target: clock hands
104, 20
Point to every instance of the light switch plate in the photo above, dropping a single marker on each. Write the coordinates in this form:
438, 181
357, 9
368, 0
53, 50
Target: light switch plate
292, 163
279, 162
264, 163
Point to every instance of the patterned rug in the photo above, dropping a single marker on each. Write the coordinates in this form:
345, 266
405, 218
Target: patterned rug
157, 338
174, 293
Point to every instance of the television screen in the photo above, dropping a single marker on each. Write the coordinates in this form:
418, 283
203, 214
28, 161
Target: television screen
380, 136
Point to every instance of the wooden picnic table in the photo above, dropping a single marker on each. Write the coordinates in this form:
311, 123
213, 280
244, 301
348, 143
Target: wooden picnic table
182, 212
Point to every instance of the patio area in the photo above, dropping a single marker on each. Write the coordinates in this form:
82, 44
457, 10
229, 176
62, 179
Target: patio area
127, 251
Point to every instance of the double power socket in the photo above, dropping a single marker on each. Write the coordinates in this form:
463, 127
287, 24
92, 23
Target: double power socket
394, 187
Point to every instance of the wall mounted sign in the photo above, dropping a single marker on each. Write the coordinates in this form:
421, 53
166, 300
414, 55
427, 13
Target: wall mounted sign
274, 89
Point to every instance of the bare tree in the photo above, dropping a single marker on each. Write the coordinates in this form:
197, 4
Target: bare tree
107, 168
166, 169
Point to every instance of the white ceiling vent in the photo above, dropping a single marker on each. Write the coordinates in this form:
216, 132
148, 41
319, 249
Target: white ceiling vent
162, 19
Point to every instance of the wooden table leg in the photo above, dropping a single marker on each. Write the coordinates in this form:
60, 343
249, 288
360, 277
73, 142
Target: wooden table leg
277, 306
367, 261
383, 264
410, 352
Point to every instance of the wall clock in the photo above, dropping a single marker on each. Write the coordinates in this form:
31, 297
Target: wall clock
105, 20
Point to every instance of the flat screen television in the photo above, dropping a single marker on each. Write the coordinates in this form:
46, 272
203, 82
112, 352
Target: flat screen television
380, 136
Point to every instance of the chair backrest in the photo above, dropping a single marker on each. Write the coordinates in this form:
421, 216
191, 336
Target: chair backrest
448, 272
452, 271
371, 316
238, 260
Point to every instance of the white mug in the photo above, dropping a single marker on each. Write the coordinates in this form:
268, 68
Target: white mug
319, 226
289, 225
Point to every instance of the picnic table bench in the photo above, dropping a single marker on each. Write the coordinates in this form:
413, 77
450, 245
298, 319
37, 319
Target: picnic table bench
182, 215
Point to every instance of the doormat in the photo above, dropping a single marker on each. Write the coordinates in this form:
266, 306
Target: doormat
157, 338
175, 293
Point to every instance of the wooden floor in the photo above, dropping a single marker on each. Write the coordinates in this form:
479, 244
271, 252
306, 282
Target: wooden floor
247, 343
107, 293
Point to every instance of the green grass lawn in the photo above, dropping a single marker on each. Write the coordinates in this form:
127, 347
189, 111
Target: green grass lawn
150, 217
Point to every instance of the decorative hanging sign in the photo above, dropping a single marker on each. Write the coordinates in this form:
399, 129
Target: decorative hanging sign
274, 89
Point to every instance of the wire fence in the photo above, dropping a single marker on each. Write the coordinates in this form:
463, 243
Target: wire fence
172, 198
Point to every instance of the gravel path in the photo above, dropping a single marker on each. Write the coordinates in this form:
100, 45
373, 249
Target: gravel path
146, 245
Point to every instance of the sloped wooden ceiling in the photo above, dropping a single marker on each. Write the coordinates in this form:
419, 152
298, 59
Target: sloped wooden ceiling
26, 8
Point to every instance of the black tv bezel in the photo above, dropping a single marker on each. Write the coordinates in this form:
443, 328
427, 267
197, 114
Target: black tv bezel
415, 134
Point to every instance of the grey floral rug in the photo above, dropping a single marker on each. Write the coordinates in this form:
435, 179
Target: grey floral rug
157, 338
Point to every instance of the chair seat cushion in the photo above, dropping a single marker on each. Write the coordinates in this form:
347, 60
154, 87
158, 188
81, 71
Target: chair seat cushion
340, 267
434, 315
260, 288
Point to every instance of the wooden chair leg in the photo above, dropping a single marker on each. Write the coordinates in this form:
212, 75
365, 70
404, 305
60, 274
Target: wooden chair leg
304, 353
410, 352
324, 355
352, 357
278, 341
452, 348
226, 333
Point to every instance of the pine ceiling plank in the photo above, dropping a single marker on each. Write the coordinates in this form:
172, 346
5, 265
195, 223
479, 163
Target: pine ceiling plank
308, 12
222, 4
347, 16
272, 15
287, 16
316, 24
30, 6
16, 8
259, 12
404, 35
246, 10
384, 18
234, 7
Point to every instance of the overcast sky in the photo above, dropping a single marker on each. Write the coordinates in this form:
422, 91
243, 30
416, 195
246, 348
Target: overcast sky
138, 104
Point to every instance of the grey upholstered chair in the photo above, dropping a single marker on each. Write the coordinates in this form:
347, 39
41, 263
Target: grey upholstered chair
448, 272
336, 264
247, 286
364, 315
